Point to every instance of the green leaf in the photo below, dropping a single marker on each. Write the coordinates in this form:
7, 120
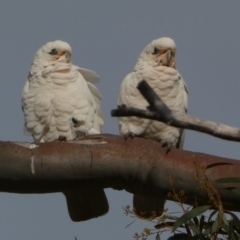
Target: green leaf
228, 229
236, 229
187, 227
157, 237
179, 236
225, 227
224, 219
202, 223
235, 219
235, 191
165, 224
196, 222
228, 180
195, 229
213, 227
230, 233
218, 164
236, 235
196, 237
212, 214
189, 215
230, 188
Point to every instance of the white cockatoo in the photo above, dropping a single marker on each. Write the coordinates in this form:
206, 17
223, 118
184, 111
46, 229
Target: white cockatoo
59, 101
59, 98
156, 64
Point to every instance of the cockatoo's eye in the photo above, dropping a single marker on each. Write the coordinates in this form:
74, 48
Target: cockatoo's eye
53, 52
156, 51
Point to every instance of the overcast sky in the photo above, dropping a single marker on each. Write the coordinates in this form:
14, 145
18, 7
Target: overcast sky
107, 37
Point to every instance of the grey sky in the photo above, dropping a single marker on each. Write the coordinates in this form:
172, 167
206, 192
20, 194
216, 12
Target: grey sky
107, 37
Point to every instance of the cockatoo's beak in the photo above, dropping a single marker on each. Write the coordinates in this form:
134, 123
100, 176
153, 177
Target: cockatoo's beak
166, 58
63, 56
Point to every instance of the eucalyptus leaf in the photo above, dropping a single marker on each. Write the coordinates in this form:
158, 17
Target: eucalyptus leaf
212, 214
195, 229
228, 180
218, 164
157, 237
189, 215
212, 228
202, 223
224, 219
228, 229
165, 224
181, 236
235, 219
235, 191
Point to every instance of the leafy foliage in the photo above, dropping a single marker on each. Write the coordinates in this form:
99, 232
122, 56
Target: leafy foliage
205, 221
228, 180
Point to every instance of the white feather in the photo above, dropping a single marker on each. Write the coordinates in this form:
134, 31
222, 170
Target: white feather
89, 75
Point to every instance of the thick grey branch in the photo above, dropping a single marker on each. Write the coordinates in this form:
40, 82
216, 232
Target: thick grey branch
136, 165
160, 112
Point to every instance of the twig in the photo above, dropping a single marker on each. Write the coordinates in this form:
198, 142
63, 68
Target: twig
159, 111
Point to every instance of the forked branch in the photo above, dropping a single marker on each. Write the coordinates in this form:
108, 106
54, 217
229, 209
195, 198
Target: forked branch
157, 110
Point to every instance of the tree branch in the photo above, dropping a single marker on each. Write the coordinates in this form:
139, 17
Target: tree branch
136, 165
157, 110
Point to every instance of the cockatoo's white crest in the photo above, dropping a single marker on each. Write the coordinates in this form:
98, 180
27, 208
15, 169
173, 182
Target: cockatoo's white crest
156, 64
164, 42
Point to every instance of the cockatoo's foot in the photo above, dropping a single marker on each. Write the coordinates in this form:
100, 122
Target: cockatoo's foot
62, 138
167, 146
75, 122
79, 138
129, 134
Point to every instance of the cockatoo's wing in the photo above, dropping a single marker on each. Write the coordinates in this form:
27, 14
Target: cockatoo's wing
99, 118
131, 97
89, 76
24, 94
185, 103
181, 139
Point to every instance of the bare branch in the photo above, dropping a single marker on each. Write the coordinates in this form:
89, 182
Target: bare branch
157, 110
107, 161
